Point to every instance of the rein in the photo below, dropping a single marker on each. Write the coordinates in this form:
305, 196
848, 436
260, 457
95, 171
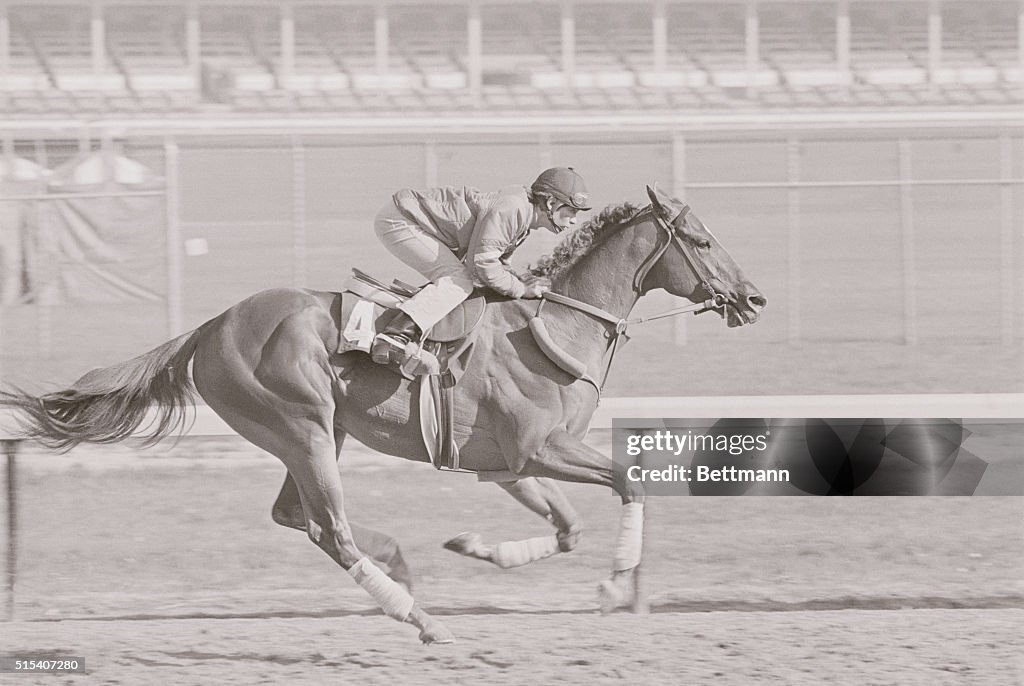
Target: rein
714, 302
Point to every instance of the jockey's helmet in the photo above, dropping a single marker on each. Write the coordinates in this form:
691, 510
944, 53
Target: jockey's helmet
565, 185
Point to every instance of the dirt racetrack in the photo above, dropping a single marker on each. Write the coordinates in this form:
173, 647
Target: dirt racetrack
163, 567
857, 647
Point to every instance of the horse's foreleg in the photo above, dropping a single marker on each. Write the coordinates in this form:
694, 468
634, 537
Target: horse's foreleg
565, 457
545, 498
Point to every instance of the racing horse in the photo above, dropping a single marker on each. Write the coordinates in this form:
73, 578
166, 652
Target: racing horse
267, 367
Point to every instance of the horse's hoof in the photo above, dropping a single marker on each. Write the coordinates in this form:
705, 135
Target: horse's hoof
465, 543
614, 593
609, 597
436, 633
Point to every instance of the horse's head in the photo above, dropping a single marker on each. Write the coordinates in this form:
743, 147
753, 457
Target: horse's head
694, 265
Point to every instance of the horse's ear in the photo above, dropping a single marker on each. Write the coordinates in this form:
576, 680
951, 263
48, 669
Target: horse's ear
665, 205
653, 195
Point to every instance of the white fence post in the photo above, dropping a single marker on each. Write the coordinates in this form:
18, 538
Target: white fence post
300, 270
1006, 242
793, 237
175, 318
545, 155
907, 235
474, 52
46, 295
5, 45
430, 164
10, 450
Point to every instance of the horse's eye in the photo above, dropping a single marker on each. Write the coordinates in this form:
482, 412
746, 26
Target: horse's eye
704, 244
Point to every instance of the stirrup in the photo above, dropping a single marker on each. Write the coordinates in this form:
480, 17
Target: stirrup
410, 358
419, 362
387, 348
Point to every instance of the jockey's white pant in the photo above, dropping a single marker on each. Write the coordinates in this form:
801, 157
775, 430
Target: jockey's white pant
451, 281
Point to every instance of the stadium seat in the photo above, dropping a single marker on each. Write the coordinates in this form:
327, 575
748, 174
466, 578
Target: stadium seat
336, 67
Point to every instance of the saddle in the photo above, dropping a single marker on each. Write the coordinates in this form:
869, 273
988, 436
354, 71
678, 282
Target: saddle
368, 305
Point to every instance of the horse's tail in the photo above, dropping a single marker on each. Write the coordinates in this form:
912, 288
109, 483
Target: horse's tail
107, 405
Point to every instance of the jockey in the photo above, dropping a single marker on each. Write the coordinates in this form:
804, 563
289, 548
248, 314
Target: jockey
459, 237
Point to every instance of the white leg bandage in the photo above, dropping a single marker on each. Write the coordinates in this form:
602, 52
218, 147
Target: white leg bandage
517, 553
392, 598
631, 538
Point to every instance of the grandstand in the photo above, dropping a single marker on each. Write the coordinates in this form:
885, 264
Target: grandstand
194, 57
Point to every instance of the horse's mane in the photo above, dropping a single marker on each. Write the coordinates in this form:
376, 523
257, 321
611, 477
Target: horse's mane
578, 243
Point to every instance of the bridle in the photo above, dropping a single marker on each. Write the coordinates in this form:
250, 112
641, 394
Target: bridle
715, 300
698, 267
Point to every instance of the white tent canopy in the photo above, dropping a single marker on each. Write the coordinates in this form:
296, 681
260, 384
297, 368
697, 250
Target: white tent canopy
20, 169
96, 168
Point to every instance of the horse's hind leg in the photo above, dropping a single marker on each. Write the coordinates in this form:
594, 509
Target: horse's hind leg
287, 511
285, 405
322, 499
384, 549
308, 452
376, 544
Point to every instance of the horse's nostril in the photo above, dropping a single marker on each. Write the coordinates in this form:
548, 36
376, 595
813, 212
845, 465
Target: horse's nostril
757, 302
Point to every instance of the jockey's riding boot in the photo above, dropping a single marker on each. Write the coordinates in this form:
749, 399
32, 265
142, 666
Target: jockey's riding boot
390, 344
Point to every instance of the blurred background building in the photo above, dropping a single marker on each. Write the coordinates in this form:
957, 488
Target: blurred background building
864, 161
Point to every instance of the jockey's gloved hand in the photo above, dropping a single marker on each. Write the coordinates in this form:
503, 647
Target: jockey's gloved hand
529, 278
536, 288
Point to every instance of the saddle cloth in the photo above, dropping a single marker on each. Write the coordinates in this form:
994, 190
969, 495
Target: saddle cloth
367, 305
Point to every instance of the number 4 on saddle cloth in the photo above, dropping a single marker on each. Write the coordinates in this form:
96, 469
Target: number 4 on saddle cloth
438, 360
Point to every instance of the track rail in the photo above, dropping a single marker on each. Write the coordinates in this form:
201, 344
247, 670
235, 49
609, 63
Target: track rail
955, 406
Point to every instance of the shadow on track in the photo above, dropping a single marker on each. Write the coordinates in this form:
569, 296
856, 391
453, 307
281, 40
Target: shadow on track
682, 607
